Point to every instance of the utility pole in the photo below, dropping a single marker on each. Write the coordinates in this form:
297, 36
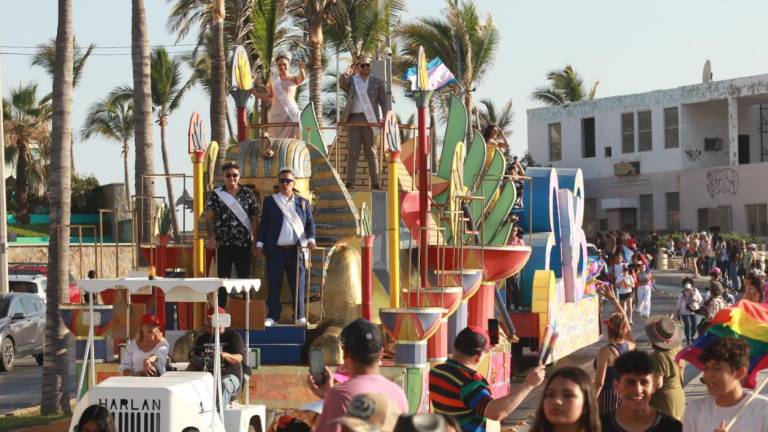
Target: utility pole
3, 221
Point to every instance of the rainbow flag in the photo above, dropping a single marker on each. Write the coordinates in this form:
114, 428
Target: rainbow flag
746, 320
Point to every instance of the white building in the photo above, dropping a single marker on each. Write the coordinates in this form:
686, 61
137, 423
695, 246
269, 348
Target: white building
691, 158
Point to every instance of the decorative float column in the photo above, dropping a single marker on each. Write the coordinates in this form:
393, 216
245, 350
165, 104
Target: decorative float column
197, 146
242, 83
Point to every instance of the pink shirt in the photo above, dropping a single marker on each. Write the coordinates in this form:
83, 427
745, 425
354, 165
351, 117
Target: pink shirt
338, 397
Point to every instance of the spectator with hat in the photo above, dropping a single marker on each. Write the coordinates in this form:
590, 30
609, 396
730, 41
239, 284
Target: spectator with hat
369, 412
147, 355
665, 336
201, 358
458, 390
362, 345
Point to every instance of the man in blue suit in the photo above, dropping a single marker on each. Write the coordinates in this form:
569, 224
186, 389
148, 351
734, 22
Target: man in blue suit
286, 236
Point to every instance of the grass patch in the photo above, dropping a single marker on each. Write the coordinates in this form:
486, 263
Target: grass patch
29, 230
12, 423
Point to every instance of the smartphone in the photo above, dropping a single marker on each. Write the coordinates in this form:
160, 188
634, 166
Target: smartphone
317, 366
493, 331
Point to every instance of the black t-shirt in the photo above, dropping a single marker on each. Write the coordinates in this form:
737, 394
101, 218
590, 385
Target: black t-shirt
231, 343
663, 423
228, 228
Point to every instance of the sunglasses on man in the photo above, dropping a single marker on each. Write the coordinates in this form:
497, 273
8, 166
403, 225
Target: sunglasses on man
365, 65
286, 180
231, 175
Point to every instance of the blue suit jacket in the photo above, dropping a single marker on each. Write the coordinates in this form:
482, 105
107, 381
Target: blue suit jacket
272, 222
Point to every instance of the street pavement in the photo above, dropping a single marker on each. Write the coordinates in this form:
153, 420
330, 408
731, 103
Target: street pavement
21, 387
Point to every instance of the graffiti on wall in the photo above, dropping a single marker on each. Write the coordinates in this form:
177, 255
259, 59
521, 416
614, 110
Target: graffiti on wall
722, 181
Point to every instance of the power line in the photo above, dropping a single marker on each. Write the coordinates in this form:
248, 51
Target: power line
98, 46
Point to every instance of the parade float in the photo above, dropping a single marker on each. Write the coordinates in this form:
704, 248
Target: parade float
425, 257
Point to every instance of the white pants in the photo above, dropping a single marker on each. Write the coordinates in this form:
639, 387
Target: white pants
644, 300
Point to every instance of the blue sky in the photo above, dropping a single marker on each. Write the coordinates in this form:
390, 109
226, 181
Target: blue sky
629, 46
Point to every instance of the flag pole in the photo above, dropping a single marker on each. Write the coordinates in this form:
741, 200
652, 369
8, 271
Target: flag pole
743, 408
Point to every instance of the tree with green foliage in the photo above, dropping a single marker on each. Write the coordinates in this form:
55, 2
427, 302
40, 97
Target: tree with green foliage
490, 114
565, 85
27, 128
112, 118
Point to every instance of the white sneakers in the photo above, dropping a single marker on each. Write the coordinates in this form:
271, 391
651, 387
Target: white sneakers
269, 322
302, 322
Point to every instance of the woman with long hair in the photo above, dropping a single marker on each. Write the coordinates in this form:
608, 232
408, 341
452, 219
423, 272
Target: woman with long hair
148, 354
281, 93
619, 341
568, 403
753, 287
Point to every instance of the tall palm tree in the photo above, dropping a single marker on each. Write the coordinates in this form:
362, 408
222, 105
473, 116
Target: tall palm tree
27, 131
112, 118
565, 85
466, 43
142, 106
45, 57
167, 92
55, 383
311, 15
502, 118
218, 109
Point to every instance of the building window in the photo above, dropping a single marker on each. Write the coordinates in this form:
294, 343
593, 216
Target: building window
757, 219
555, 142
628, 133
588, 137
646, 212
644, 131
671, 128
608, 151
590, 214
673, 211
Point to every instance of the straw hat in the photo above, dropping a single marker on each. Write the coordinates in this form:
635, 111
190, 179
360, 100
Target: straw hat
663, 332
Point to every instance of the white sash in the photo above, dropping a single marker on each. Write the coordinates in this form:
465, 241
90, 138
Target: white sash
361, 89
235, 206
289, 213
288, 104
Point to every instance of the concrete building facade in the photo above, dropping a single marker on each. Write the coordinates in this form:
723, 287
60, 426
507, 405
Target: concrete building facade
689, 158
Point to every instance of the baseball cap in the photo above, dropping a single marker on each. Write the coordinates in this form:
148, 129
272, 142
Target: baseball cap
370, 412
716, 271
150, 319
472, 340
361, 339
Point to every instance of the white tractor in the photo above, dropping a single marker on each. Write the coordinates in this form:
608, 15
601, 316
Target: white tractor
175, 401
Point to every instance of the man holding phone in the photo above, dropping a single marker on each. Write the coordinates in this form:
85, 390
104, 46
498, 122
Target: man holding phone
362, 343
365, 95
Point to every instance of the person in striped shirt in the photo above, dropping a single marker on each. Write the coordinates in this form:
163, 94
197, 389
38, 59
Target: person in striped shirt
458, 390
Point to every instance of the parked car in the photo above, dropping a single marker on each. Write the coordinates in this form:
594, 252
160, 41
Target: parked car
22, 328
42, 269
30, 284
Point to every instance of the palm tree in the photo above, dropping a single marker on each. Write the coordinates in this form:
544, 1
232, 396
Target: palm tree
55, 383
167, 92
45, 56
218, 109
27, 131
502, 118
361, 26
464, 41
112, 118
142, 106
311, 15
565, 85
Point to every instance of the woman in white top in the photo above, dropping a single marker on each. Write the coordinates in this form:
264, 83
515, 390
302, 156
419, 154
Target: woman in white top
281, 92
148, 354
644, 284
626, 285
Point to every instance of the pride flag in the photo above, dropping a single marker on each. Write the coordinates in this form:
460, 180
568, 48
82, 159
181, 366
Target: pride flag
438, 75
746, 320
